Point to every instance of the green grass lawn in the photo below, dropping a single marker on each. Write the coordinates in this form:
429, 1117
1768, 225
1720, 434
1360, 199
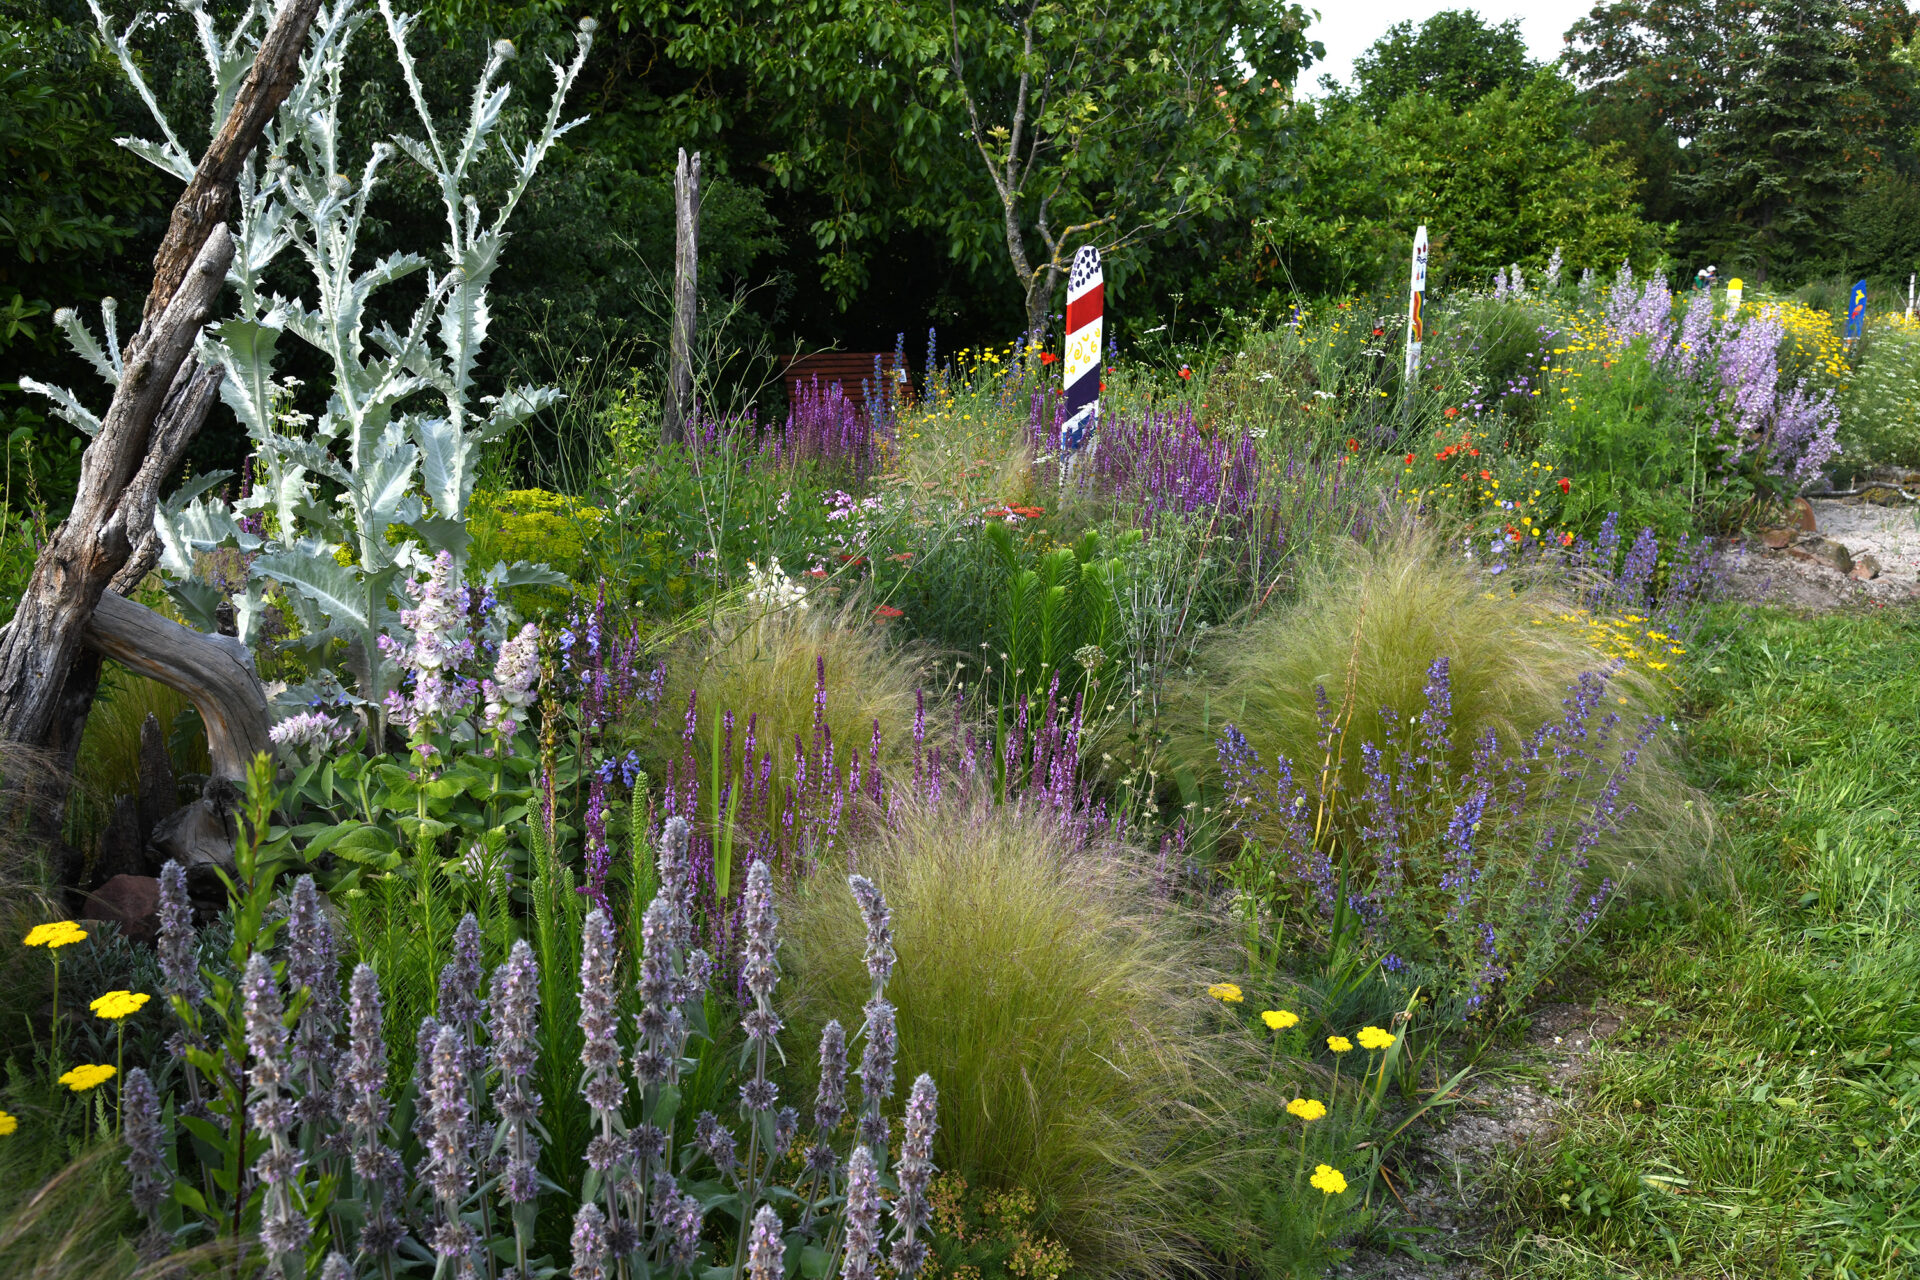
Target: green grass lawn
1756, 1115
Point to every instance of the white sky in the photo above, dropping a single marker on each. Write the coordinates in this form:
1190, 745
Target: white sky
1347, 28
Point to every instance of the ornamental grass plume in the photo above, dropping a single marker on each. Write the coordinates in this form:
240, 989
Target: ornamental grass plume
1363, 633
1038, 981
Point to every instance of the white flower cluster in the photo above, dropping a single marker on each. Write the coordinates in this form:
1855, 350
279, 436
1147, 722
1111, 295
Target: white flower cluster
515, 675
771, 589
308, 729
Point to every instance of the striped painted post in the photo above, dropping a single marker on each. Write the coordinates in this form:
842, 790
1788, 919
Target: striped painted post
1086, 291
1416, 298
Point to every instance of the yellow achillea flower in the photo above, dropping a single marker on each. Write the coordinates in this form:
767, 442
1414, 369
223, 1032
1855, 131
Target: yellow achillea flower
86, 1076
1226, 992
1339, 1044
7, 1124
118, 1004
1307, 1109
1279, 1019
1374, 1038
1328, 1179
58, 934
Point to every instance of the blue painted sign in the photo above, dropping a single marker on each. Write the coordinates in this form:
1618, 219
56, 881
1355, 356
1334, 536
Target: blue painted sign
1856, 309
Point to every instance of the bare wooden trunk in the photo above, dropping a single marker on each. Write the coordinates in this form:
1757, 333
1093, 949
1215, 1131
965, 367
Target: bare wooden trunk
677, 409
214, 672
94, 542
163, 397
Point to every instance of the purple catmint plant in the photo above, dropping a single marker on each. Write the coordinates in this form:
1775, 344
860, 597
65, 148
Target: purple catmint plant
914, 1173
284, 1228
1471, 881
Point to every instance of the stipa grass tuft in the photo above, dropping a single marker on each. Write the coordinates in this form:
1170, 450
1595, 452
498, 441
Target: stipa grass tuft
1366, 626
1061, 1011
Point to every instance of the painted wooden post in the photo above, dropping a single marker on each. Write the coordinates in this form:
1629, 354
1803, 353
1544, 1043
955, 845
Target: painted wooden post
1080, 366
677, 409
1416, 298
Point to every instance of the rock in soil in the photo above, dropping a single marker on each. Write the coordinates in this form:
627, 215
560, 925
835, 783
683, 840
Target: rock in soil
132, 902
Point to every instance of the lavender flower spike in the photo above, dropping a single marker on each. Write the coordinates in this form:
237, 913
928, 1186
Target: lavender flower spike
178, 963
599, 1018
449, 1167
876, 1073
150, 1180
863, 1217
284, 1229
460, 1006
765, 1252
914, 1173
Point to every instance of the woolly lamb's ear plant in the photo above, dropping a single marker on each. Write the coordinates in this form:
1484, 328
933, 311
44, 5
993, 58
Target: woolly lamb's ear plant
333, 1172
399, 418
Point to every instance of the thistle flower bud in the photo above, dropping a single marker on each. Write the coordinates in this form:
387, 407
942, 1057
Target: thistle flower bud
178, 963
140, 1106
765, 1252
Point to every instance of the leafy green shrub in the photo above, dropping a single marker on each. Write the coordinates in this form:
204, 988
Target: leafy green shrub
1064, 1011
1880, 410
1365, 628
1627, 442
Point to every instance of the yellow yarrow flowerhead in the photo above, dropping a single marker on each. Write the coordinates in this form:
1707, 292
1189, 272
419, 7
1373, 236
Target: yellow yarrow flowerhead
1374, 1038
1328, 1179
1226, 992
1279, 1019
1339, 1044
85, 1077
7, 1124
118, 1004
1306, 1108
60, 933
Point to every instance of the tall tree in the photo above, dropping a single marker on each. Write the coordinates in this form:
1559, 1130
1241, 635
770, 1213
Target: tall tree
1454, 56
1755, 118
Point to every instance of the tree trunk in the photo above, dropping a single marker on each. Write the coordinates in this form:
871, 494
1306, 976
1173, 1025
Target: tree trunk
214, 672
159, 405
94, 542
677, 412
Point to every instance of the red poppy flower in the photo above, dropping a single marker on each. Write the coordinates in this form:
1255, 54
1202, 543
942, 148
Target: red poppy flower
1047, 357
1486, 475
1409, 459
1566, 539
885, 611
1185, 372
902, 557
1450, 411
1353, 445
1474, 452
1566, 485
816, 573
1378, 332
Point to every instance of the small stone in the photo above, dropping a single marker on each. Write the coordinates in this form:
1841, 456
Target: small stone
1775, 539
1803, 515
1865, 569
132, 902
1835, 554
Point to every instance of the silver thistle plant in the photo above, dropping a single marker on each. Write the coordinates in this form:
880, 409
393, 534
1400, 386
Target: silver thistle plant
399, 437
